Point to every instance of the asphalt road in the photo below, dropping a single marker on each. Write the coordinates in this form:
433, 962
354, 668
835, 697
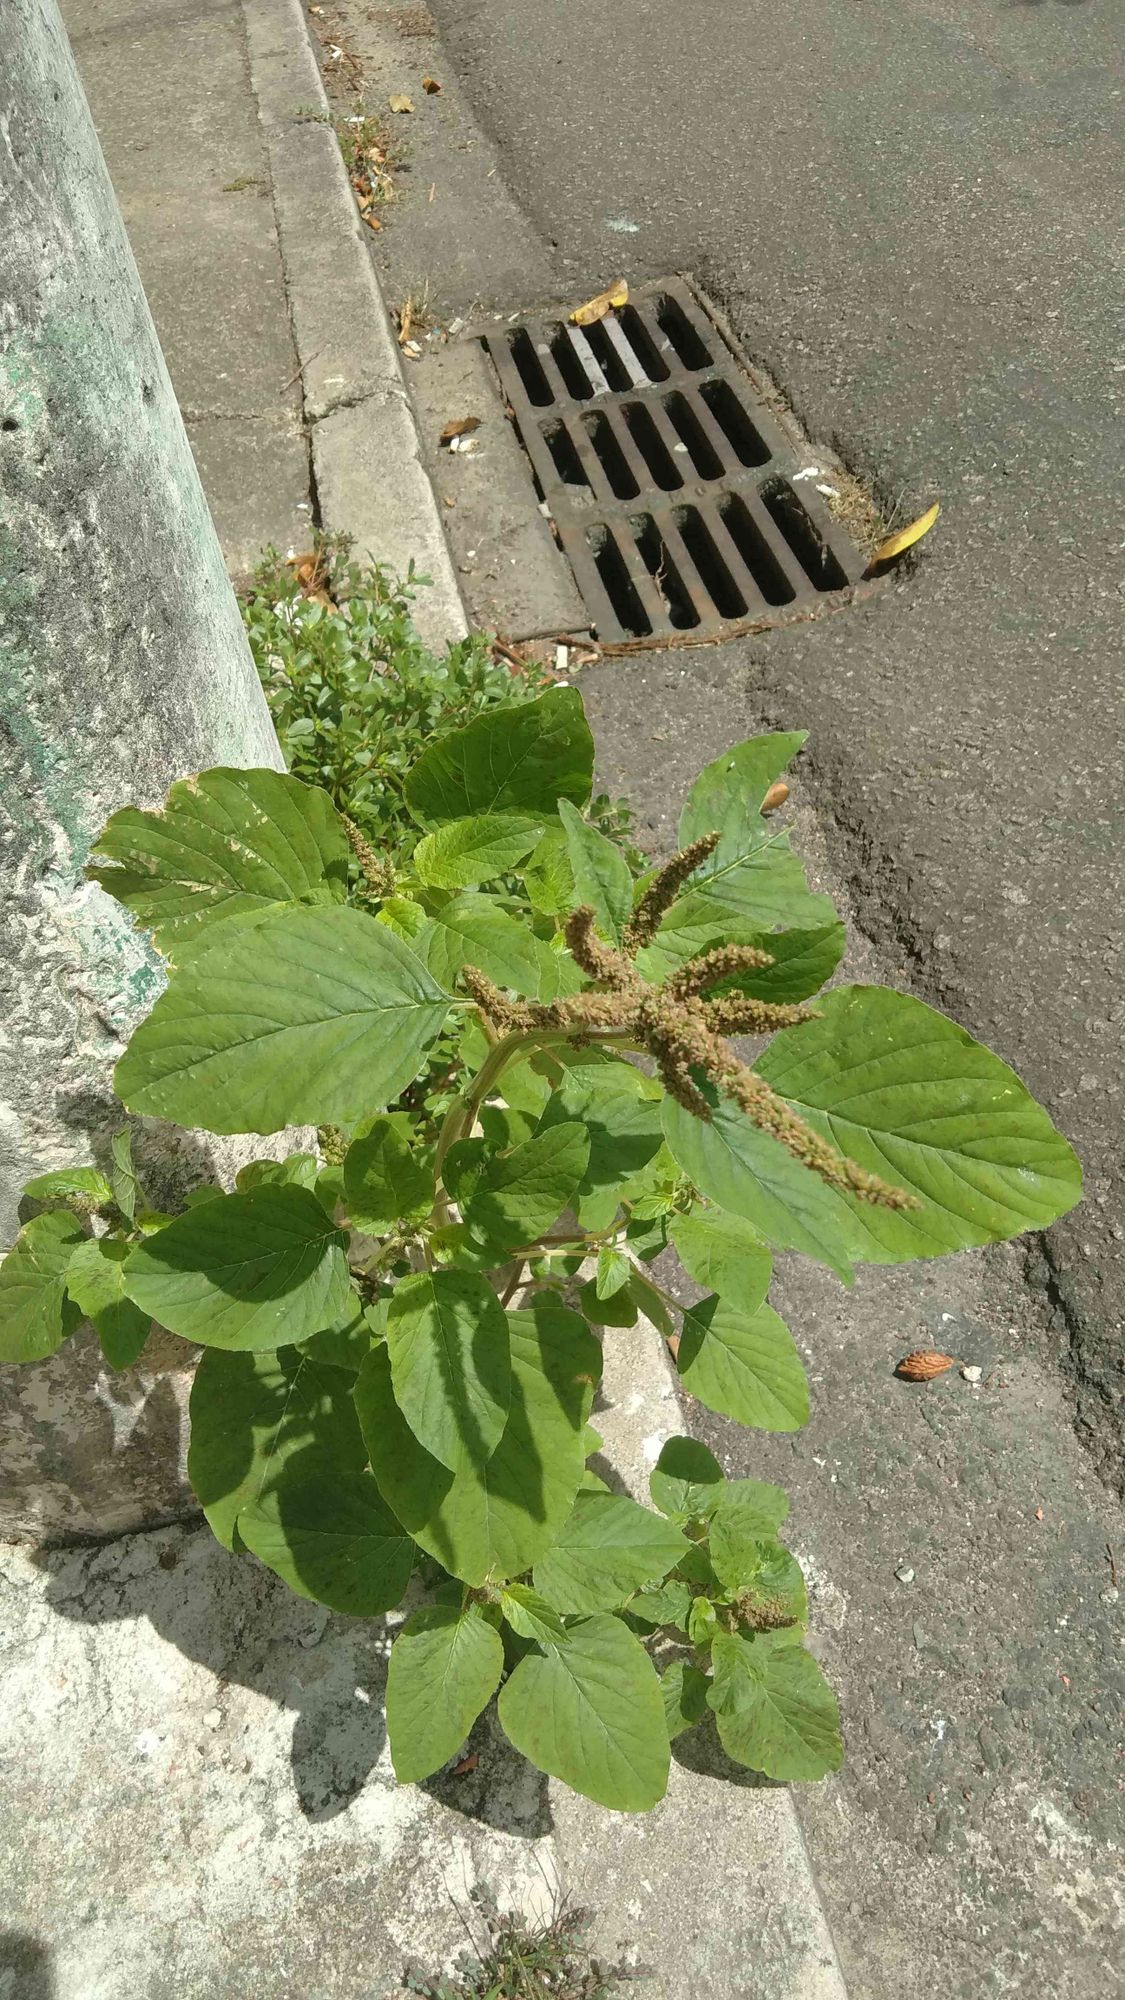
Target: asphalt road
912, 216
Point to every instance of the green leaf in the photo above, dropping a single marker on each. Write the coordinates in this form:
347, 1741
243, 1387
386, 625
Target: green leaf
745, 1365
519, 1194
476, 930
95, 1280
683, 1689
548, 876
619, 1309
226, 843
467, 851
723, 1254
521, 759
803, 959
35, 1314
444, 1668
608, 1548
85, 1182
751, 872
447, 1336
531, 1616
619, 1107
913, 1098
765, 1578
651, 1303
385, 1181
493, 1520
687, 1480
729, 791
703, 1621
331, 1537
298, 1170
775, 1711
261, 1269
591, 1713
318, 1016
667, 1603
252, 1415
123, 1177
749, 1174
601, 873
614, 1270
746, 1510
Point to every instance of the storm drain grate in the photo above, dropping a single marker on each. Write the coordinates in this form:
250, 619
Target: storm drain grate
670, 483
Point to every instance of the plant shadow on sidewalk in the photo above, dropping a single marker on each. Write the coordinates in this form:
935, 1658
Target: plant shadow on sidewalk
247, 1629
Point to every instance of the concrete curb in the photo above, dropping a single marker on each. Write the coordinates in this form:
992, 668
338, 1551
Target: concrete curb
366, 452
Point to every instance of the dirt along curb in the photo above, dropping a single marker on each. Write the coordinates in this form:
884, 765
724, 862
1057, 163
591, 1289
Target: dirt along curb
366, 455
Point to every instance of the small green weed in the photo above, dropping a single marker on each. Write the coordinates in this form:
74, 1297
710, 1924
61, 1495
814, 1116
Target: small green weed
524, 1961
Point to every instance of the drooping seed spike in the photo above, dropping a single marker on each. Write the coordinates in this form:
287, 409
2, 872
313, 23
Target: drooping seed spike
714, 966
378, 875
663, 890
739, 1014
597, 960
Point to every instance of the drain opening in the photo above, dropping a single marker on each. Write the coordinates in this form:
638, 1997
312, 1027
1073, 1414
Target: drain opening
562, 448
530, 368
608, 359
618, 584
643, 345
803, 536
735, 423
704, 457
653, 551
611, 458
566, 360
650, 444
685, 338
755, 551
713, 572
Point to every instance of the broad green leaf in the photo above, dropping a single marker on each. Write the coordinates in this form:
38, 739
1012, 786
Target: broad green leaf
521, 759
687, 1480
703, 1621
619, 1309
447, 1336
764, 1576
252, 1415
592, 1714
123, 1175
466, 851
651, 1303
385, 1181
619, 1107
518, 1195
320, 1016
683, 1689
85, 1182
476, 930
744, 1171
444, 1668
548, 876
601, 873
330, 1536
803, 959
751, 872
225, 843
493, 1520
531, 1616
746, 1510
614, 1270
261, 1269
95, 1280
666, 1603
745, 1365
913, 1098
298, 1170
347, 1344
723, 1254
608, 1548
207, 1191
406, 918
35, 1314
775, 1711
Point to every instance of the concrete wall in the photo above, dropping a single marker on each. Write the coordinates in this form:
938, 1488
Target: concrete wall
123, 665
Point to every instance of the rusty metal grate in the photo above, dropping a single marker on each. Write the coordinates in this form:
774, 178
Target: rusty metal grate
670, 483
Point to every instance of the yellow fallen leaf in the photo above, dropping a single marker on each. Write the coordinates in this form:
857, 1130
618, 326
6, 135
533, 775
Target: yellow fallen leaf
596, 308
431, 86
905, 538
400, 103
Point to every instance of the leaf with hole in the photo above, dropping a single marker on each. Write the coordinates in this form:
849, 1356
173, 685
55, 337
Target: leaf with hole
319, 1016
445, 1667
330, 1536
744, 1365
591, 1713
913, 1098
260, 1269
225, 843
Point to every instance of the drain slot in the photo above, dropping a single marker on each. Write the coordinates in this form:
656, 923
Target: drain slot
668, 480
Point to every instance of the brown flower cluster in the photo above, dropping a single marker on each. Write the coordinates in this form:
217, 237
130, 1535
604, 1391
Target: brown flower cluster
682, 1024
378, 875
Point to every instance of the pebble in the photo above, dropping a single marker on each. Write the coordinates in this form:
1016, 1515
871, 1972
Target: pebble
904, 1573
972, 1374
1110, 1594
213, 1718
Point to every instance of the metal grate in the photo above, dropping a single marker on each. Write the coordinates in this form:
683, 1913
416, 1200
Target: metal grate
670, 483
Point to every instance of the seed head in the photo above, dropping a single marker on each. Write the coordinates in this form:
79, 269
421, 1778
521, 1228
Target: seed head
663, 890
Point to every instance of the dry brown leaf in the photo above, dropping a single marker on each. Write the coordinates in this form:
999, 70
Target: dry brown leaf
298, 562
399, 102
924, 1363
776, 796
431, 86
460, 427
405, 322
905, 538
596, 308
466, 1765
372, 221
